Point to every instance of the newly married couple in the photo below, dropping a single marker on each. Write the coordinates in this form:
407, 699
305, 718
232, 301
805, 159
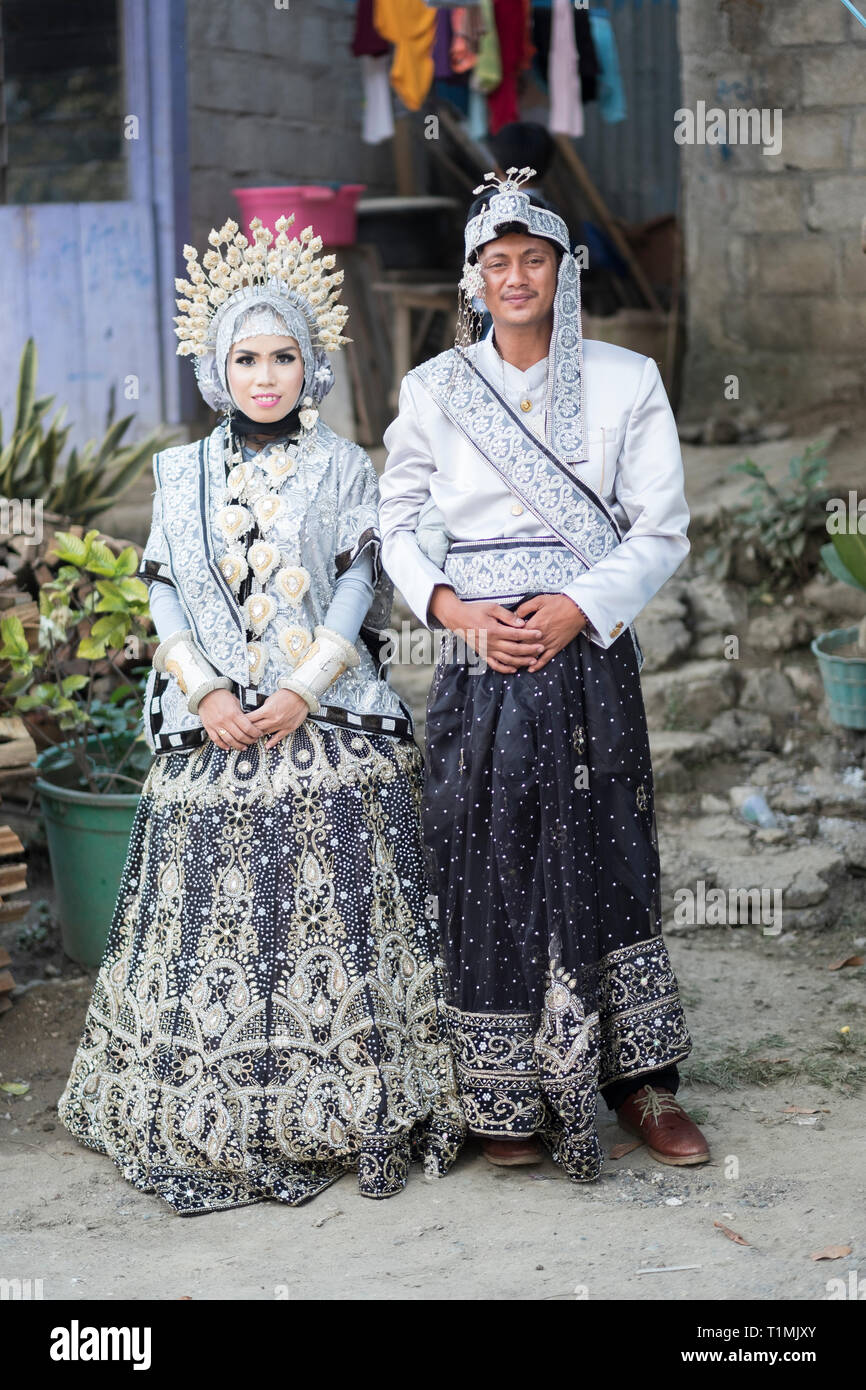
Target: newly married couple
327, 955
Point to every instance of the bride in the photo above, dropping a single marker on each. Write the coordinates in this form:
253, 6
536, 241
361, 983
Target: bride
267, 1012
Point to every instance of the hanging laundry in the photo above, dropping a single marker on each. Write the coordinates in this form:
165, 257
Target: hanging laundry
511, 27
455, 91
368, 42
488, 69
587, 57
477, 114
442, 46
378, 121
611, 94
566, 107
467, 29
410, 26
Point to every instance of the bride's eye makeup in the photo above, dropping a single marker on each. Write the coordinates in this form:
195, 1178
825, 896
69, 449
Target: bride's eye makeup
246, 359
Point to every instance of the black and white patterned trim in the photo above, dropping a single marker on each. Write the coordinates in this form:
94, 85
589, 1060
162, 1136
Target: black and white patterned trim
396, 725
155, 571
184, 476
509, 569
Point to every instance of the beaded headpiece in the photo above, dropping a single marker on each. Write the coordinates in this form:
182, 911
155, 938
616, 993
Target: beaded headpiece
510, 204
238, 275
565, 427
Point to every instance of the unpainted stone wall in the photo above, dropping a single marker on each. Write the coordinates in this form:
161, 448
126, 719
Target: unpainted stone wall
776, 273
274, 98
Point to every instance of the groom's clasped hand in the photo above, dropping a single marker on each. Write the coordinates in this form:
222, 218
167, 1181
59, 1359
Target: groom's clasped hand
508, 641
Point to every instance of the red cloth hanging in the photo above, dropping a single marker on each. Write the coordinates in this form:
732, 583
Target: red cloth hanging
368, 42
512, 26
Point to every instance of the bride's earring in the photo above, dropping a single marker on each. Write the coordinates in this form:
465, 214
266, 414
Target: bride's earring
308, 415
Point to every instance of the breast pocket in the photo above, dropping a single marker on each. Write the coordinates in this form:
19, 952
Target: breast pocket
598, 471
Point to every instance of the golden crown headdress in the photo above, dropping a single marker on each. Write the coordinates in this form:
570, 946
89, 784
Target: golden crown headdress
292, 268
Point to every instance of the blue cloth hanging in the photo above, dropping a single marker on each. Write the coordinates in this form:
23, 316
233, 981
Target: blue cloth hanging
611, 96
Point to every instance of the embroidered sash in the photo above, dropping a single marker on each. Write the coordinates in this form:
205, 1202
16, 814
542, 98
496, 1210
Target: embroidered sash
532, 471
566, 505
187, 476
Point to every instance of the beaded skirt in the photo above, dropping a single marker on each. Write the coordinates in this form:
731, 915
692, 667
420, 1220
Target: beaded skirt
267, 1015
539, 824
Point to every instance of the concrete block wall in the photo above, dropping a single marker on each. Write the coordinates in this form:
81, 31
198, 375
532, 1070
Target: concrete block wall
274, 97
776, 277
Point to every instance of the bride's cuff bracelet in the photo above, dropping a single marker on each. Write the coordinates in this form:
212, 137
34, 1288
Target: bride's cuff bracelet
178, 656
328, 657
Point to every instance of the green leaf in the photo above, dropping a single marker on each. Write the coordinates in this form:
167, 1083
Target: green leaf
26, 387
75, 720
749, 467
70, 548
111, 631
127, 562
100, 560
89, 650
15, 1088
25, 703
111, 627
133, 590
112, 440
111, 599
17, 683
851, 549
47, 691
122, 692
15, 645
69, 684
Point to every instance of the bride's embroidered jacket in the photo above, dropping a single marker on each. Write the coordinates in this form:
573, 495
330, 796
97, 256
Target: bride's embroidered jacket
312, 525
631, 460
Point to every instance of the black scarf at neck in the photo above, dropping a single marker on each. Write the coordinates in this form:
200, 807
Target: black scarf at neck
241, 424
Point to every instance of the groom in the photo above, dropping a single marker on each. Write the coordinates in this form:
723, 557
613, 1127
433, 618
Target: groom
547, 471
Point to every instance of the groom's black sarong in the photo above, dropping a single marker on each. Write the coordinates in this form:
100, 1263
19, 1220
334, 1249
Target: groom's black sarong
539, 820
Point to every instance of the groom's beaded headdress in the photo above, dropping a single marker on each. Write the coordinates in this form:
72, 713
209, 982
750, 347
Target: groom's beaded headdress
565, 425
509, 203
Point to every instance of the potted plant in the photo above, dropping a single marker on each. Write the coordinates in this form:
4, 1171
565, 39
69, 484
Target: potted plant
841, 652
80, 683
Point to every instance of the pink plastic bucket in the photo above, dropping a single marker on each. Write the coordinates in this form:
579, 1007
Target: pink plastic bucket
331, 211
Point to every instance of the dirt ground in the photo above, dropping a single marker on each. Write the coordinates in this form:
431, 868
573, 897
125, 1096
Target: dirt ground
790, 1184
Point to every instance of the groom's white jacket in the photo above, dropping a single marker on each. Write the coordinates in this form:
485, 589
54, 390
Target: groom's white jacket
634, 465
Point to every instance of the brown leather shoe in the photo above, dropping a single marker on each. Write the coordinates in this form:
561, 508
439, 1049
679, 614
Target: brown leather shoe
657, 1118
508, 1153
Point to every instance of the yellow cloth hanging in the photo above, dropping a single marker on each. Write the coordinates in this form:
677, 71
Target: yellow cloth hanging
410, 26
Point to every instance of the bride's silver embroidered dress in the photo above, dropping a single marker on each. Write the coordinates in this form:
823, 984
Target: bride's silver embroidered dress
267, 1013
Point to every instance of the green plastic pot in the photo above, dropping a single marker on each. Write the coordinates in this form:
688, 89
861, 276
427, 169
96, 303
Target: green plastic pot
844, 678
88, 838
